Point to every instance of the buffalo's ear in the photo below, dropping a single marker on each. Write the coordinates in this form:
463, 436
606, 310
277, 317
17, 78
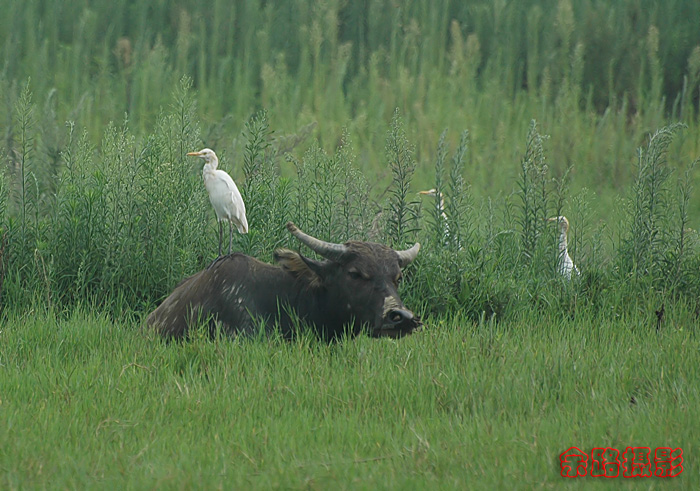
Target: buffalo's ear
301, 267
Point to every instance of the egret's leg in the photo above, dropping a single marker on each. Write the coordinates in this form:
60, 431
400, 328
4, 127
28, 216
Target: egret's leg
230, 236
221, 236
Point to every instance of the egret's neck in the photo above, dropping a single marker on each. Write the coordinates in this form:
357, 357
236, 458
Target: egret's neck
562, 241
441, 210
209, 167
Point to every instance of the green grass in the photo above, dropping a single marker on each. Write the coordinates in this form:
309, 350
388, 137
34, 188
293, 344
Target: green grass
91, 403
333, 115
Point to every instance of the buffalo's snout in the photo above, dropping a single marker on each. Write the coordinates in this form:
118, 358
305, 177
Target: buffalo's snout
399, 316
398, 322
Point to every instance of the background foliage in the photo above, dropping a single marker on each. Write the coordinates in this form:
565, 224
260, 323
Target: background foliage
106, 209
599, 76
333, 114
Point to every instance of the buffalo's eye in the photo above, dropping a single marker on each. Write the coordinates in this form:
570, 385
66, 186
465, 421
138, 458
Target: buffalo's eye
356, 275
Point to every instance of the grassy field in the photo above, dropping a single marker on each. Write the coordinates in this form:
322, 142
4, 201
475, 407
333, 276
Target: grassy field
334, 115
91, 403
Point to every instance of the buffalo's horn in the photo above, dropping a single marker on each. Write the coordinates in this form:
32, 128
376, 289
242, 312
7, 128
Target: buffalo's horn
329, 250
406, 257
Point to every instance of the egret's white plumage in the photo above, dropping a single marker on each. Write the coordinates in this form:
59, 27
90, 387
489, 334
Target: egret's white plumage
433, 193
223, 194
566, 265
441, 209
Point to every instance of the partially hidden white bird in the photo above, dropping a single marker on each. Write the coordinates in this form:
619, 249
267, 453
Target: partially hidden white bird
566, 265
440, 202
224, 196
433, 193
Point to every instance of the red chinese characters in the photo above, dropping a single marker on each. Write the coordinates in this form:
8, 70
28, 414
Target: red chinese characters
573, 463
635, 462
605, 462
668, 462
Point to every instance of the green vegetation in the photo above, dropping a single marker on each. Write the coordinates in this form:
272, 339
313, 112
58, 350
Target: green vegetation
89, 403
333, 115
598, 76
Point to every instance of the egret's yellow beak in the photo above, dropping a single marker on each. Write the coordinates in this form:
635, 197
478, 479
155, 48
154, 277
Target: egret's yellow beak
194, 154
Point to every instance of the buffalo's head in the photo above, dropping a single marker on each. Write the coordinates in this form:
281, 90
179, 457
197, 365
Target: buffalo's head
358, 282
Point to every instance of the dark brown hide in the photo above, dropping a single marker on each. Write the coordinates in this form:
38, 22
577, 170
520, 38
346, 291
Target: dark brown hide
239, 293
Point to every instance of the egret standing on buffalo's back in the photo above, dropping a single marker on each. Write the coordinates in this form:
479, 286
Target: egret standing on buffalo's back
224, 196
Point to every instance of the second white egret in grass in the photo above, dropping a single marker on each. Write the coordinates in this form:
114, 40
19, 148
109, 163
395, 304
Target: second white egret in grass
566, 264
435, 193
224, 196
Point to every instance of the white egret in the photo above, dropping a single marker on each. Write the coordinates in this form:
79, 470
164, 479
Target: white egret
433, 193
224, 196
566, 265
441, 209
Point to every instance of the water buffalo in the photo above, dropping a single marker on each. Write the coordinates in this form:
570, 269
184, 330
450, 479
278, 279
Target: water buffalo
355, 286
